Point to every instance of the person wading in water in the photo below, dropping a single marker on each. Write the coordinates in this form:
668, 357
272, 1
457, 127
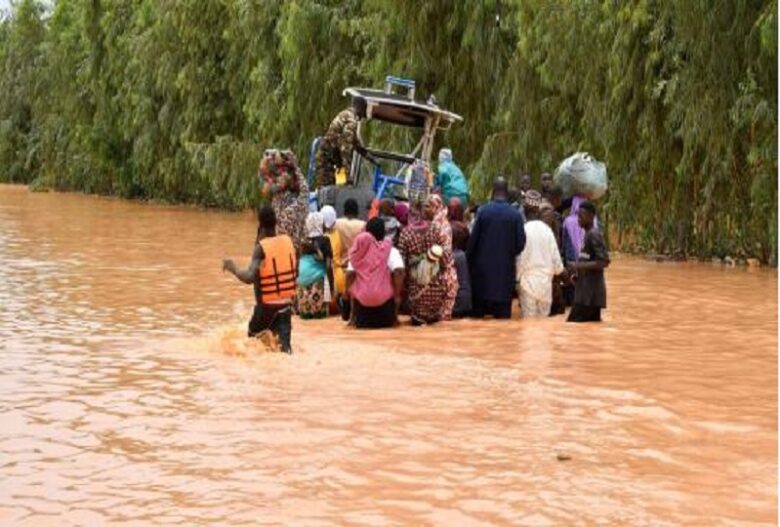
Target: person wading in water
590, 291
273, 272
497, 238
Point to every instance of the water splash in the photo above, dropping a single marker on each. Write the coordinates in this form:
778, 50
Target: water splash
233, 341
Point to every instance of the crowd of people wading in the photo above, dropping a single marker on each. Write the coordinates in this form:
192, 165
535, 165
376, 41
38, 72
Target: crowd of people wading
432, 257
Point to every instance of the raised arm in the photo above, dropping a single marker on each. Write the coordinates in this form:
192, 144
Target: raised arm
248, 275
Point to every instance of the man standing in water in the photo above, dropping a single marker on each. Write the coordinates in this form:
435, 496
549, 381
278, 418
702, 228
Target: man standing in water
539, 262
496, 240
273, 272
590, 291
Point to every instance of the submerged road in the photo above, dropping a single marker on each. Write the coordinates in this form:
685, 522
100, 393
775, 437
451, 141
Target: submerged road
129, 396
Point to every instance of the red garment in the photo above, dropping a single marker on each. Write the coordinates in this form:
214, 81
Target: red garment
427, 303
373, 283
455, 210
450, 273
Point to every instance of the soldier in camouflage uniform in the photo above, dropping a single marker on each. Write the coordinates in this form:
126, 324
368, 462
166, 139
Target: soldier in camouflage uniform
335, 149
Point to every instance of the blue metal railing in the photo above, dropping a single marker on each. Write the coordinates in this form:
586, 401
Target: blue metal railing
382, 181
409, 84
313, 206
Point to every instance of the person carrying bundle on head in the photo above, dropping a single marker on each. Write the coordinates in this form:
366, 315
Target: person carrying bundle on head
590, 291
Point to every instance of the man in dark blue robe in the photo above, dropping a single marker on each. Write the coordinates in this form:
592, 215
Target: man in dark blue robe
497, 238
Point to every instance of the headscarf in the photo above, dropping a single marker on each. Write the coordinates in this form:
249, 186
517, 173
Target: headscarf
279, 172
314, 224
572, 225
311, 270
447, 265
402, 212
373, 284
419, 180
436, 204
455, 209
282, 180
445, 155
460, 231
417, 219
328, 216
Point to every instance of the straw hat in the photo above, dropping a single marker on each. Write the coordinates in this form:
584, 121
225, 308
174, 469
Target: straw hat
435, 253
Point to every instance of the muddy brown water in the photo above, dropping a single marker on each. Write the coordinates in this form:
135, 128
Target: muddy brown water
128, 395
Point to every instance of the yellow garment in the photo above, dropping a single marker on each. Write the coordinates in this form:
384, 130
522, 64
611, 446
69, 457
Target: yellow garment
341, 176
347, 229
340, 279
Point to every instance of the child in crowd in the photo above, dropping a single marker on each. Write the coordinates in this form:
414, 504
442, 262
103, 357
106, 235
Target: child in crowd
387, 215
463, 299
590, 291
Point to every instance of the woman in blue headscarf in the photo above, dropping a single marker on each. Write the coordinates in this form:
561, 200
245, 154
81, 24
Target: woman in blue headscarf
450, 179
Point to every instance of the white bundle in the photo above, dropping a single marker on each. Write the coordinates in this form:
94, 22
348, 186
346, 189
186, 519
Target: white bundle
581, 174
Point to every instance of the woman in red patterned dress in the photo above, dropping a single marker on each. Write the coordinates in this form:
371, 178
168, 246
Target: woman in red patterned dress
426, 246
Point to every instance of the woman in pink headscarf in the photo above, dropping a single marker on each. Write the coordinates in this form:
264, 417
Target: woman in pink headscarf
374, 278
402, 213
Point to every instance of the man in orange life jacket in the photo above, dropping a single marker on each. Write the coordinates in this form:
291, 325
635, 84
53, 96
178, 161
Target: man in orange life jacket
273, 272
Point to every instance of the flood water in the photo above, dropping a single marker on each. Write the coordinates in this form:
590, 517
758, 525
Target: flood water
128, 395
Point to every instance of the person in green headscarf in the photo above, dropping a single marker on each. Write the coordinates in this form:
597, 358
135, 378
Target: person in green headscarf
450, 179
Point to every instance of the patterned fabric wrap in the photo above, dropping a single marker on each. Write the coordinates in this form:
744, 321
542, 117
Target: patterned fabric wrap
419, 180
450, 274
433, 300
279, 172
310, 301
283, 182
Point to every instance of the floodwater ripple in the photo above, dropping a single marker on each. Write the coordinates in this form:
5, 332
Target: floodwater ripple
129, 396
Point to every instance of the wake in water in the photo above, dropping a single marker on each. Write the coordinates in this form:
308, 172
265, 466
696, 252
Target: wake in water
232, 340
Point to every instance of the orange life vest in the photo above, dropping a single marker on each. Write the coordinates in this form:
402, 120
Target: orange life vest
373, 212
279, 270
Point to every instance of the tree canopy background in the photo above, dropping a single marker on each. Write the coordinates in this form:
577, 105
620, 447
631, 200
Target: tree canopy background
175, 100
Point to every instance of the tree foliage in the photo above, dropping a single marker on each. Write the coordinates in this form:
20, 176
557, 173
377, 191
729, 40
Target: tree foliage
175, 101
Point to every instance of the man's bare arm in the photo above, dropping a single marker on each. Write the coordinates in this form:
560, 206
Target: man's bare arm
248, 275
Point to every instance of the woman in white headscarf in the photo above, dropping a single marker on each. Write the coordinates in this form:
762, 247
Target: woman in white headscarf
339, 283
315, 270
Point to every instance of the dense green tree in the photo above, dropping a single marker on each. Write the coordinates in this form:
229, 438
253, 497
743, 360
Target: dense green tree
176, 100
21, 87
